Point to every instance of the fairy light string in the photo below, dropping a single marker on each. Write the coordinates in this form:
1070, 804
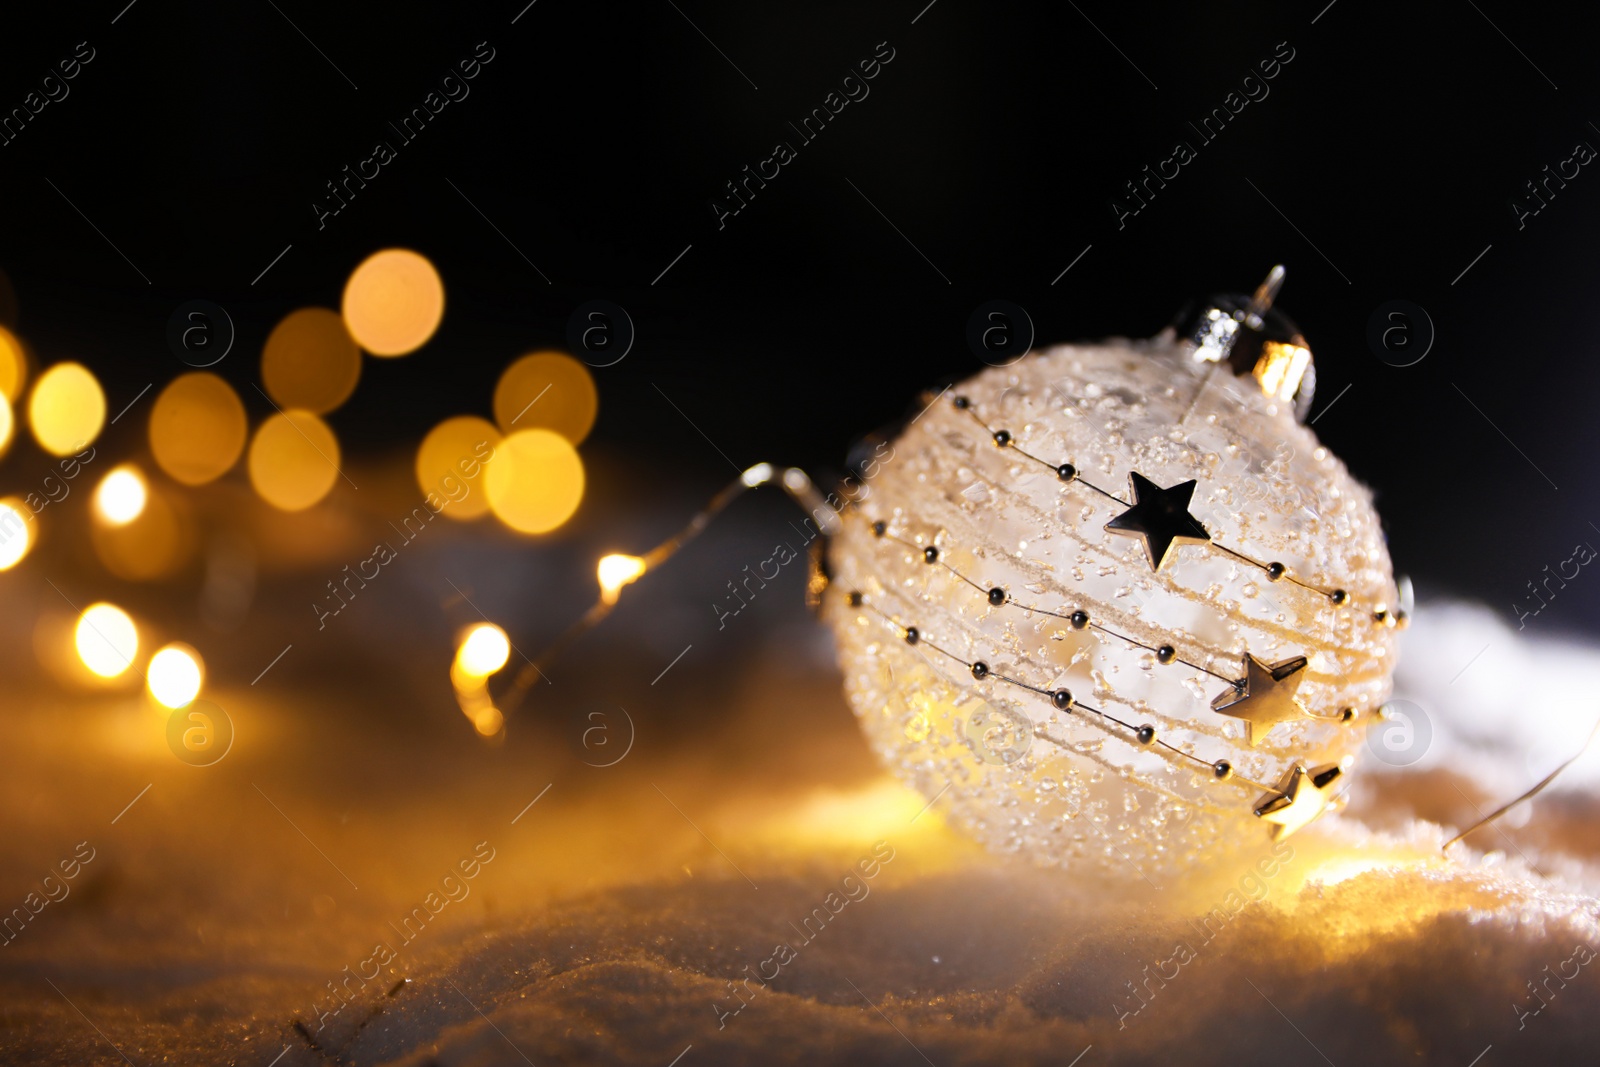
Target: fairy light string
618, 570
794, 481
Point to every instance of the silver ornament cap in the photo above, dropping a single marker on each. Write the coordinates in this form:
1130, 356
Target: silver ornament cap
1255, 340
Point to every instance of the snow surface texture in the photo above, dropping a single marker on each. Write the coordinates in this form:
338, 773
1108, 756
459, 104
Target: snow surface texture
619, 911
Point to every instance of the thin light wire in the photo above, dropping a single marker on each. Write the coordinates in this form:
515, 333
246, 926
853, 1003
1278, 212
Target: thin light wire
1530, 794
794, 481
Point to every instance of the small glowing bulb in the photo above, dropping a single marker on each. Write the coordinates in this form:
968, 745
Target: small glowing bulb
15, 537
174, 676
7, 422
483, 651
616, 571
121, 495
489, 721
107, 639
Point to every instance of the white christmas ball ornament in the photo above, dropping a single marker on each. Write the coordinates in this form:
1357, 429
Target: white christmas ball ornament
1088, 661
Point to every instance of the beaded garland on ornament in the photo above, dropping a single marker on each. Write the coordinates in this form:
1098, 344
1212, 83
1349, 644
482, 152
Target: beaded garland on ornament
1115, 602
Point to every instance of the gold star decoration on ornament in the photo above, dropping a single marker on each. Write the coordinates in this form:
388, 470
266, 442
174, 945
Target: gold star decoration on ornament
1299, 797
1265, 696
1160, 518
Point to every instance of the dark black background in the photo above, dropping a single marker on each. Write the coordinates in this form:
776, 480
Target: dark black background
201, 133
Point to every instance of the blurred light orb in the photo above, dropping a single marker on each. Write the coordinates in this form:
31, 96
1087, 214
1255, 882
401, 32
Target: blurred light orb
451, 457
197, 428
15, 536
535, 481
107, 640
614, 572
488, 721
294, 460
7, 423
547, 390
13, 365
120, 497
155, 544
393, 302
175, 676
310, 361
484, 650
67, 409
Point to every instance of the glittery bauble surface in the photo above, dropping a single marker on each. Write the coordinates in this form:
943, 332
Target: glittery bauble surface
1063, 786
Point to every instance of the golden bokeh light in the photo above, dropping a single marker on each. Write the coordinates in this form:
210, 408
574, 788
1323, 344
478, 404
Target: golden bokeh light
15, 536
157, 543
547, 390
393, 302
450, 464
294, 460
535, 481
175, 676
310, 361
7, 423
67, 409
13, 365
833, 817
107, 640
197, 428
120, 496
614, 572
484, 650
488, 721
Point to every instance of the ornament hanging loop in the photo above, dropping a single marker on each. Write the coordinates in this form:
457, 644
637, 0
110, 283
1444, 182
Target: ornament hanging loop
1265, 294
